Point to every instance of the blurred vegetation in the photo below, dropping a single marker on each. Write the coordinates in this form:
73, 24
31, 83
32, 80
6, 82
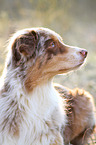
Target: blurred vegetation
74, 20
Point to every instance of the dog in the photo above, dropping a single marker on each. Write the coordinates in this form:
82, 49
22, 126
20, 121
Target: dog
80, 111
32, 112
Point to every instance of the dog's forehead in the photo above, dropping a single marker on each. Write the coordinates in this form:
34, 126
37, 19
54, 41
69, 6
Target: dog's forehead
48, 34
43, 33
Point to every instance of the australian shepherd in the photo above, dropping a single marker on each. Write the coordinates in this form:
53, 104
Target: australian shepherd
32, 110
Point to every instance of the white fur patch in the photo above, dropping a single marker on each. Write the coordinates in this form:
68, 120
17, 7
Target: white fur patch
37, 109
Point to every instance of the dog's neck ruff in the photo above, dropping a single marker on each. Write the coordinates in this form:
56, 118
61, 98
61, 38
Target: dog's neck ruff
28, 115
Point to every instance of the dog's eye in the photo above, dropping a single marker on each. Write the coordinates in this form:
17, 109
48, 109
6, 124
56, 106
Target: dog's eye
52, 44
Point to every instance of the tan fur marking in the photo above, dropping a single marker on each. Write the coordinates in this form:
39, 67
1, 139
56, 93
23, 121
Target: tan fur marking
37, 75
58, 46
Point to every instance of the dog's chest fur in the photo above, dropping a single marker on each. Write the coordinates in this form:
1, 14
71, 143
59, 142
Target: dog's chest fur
30, 119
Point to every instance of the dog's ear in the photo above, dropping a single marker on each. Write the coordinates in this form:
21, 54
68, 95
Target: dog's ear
24, 46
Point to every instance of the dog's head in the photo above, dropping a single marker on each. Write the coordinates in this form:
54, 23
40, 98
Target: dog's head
41, 53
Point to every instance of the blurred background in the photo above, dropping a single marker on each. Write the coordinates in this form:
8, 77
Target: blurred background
74, 20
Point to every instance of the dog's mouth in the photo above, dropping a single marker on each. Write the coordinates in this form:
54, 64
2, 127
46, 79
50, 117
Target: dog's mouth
71, 68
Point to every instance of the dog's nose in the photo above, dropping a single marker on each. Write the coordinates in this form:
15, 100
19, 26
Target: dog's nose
83, 53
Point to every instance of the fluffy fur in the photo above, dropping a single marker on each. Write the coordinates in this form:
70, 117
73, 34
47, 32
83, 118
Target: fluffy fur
80, 111
31, 110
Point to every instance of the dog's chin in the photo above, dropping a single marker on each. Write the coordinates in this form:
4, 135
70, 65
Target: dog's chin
62, 71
